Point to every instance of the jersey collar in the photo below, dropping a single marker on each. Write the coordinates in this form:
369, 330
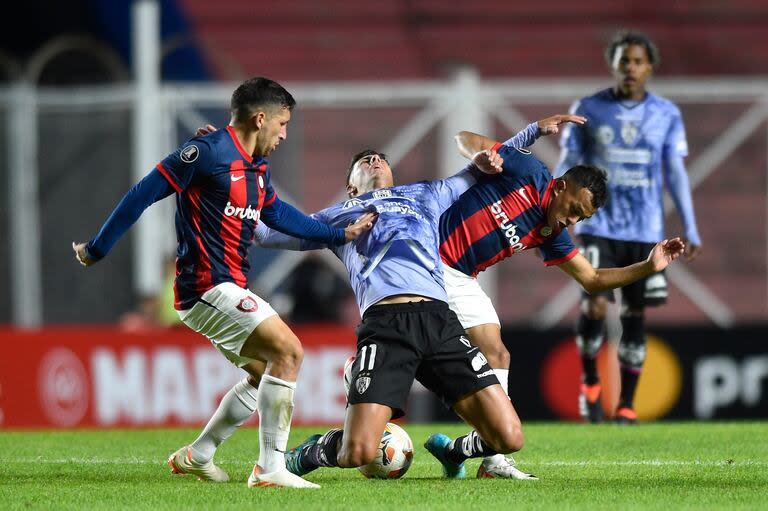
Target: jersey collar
238, 145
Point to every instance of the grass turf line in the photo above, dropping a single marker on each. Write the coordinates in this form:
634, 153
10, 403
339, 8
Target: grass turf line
665, 465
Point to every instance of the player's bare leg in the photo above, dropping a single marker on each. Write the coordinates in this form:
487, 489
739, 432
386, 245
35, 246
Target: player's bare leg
487, 337
274, 342
497, 430
353, 446
236, 407
589, 338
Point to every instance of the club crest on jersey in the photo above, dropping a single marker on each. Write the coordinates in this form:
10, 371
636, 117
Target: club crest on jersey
546, 230
362, 384
382, 194
605, 134
629, 132
247, 304
190, 153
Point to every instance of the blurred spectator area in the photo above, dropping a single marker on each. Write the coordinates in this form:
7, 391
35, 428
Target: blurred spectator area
367, 39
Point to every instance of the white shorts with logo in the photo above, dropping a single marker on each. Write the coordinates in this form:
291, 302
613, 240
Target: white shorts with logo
227, 314
468, 300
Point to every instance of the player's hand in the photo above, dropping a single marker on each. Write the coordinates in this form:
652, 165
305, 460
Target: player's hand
691, 251
205, 130
363, 224
81, 255
488, 161
664, 252
551, 125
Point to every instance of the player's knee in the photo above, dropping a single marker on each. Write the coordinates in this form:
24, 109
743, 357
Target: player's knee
498, 356
290, 353
595, 308
356, 453
509, 439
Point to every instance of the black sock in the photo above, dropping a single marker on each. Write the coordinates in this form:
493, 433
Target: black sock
589, 338
324, 452
631, 357
468, 446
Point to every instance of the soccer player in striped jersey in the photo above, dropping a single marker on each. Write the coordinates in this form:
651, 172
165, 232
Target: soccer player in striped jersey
639, 138
222, 187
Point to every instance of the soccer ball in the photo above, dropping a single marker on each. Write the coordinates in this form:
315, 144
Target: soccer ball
394, 456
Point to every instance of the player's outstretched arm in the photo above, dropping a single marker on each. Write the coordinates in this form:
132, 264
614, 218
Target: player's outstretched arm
595, 280
551, 125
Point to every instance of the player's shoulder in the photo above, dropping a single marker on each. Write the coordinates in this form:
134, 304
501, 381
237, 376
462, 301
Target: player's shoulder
600, 97
662, 103
197, 148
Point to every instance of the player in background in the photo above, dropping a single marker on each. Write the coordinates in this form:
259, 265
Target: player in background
544, 211
639, 138
222, 186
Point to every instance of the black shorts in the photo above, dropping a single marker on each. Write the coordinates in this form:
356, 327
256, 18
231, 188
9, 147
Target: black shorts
417, 340
608, 253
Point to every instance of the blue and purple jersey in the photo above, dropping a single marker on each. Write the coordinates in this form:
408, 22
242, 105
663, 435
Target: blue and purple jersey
220, 191
641, 145
502, 215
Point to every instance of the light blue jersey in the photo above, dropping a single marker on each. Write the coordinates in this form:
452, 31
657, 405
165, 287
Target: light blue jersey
640, 145
400, 254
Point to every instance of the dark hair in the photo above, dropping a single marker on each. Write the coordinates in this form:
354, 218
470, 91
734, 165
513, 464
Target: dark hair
593, 179
356, 158
627, 37
259, 92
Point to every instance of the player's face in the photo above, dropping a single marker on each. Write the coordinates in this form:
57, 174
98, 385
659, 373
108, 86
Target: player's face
369, 173
631, 68
570, 204
273, 130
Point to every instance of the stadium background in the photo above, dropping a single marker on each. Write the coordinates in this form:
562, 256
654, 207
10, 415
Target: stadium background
81, 118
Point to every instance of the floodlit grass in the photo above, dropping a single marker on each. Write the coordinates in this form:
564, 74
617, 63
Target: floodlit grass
666, 466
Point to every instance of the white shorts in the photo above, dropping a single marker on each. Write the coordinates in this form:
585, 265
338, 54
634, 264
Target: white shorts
468, 300
227, 314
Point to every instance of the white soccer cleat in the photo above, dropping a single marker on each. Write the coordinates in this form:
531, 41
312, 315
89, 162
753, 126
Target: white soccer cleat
499, 466
181, 463
281, 478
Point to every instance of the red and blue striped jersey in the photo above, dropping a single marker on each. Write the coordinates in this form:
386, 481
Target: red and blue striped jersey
502, 215
220, 191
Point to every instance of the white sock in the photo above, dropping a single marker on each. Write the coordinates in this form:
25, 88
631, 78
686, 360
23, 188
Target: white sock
503, 376
236, 407
275, 412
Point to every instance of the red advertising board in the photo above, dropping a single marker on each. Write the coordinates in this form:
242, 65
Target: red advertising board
104, 377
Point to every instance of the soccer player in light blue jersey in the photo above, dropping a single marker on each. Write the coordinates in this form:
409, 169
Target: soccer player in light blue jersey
639, 139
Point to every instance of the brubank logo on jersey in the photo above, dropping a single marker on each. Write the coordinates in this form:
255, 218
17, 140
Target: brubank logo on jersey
510, 229
243, 213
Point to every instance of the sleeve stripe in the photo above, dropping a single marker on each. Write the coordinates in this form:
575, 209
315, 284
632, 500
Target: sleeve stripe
169, 178
496, 146
555, 262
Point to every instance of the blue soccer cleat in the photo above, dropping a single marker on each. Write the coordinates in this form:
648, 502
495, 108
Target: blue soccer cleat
437, 445
293, 457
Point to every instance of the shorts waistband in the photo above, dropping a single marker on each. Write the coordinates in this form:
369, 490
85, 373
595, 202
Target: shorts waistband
395, 308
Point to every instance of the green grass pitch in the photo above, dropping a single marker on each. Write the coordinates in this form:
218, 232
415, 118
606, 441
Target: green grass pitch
667, 466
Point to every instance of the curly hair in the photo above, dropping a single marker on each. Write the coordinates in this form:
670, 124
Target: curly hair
627, 37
